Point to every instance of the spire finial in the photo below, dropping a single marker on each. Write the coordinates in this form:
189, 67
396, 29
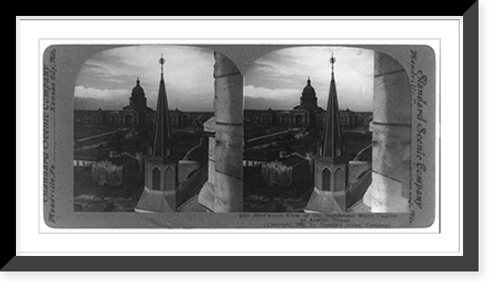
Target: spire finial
332, 61
161, 61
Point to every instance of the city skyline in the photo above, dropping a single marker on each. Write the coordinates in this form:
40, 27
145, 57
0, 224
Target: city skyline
274, 81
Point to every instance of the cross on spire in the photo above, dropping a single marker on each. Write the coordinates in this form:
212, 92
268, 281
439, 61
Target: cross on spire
161, 61
332, 61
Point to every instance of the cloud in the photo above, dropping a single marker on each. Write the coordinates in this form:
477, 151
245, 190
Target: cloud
277, 94
259, 103
94, 104
277, 73
276, 79
90, 92
188, 74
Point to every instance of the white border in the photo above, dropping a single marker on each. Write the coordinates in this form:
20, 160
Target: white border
31, 242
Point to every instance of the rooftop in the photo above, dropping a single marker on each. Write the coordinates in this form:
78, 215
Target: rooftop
93, 155
122, 160
292, 161
261, 155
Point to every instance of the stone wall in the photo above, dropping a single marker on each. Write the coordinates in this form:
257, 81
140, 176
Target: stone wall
391, 127
224, 190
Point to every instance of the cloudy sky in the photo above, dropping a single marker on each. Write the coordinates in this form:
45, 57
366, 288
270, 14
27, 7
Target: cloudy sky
107, 79
275, 81
280, 76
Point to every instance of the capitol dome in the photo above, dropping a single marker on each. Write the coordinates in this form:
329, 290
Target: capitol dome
138, 91
137, 100
308, 100
308, 92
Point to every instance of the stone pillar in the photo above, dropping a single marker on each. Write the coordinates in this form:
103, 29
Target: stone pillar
226, 194
206, 195
391, 136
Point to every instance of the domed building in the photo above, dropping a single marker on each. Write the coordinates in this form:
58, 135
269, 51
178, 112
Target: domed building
137, 100
136, 114
308, 99
307, 114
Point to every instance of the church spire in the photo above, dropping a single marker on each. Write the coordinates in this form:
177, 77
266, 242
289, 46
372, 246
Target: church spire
332, 144
161, 140
331, 170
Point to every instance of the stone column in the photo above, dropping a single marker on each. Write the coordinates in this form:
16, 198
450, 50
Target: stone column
391, 136
228, 149
206, 195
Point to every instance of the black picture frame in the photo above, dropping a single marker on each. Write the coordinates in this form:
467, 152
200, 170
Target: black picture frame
468, 260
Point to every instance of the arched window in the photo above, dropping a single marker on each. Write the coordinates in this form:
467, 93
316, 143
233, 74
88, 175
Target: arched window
326, 175
156, 179
169, 179
339, 180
